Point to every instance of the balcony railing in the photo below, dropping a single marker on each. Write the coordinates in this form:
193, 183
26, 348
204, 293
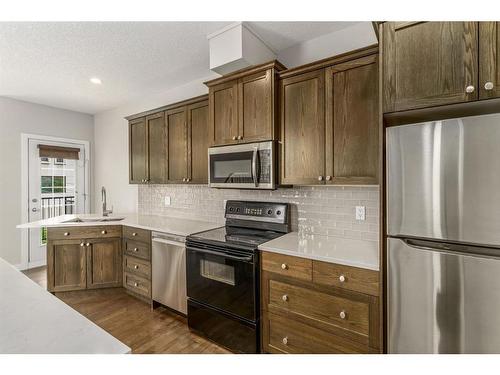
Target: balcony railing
55, 206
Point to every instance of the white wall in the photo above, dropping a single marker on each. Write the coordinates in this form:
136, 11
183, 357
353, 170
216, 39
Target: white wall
18, 117
345, 40
111, 145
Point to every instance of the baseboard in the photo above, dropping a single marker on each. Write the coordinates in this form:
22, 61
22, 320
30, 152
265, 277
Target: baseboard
38, 263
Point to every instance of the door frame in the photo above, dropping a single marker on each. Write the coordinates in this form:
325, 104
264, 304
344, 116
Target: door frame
25, 138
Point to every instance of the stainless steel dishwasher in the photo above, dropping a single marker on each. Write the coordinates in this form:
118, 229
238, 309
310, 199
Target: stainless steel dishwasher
169, 271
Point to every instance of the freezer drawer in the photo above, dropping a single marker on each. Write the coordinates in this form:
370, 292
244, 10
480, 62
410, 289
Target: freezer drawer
443, 180
441, 302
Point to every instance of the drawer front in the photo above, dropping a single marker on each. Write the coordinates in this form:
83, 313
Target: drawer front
351, 278
137, 249
325, 308
298, 268
68, 233
137, 267
137, 234
137, 284
289, 336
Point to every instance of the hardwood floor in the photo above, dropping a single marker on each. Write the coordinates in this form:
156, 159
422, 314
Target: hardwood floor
132, 321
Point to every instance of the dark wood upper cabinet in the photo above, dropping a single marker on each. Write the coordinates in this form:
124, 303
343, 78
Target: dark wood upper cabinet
138, 151
198, 142
157, 148
428, 64
489, 60
104, 263
242, 105
177, 145
352, 118
223, 99
302, 100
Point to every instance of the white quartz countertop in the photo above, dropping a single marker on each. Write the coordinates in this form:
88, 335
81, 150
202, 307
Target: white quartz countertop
34, 321
339, 250
165, 224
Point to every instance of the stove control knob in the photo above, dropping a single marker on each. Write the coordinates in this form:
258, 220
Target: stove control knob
231, 209
278, 212
237, 209
269, 212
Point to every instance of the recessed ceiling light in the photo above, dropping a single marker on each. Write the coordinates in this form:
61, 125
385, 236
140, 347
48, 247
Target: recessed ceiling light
95, 81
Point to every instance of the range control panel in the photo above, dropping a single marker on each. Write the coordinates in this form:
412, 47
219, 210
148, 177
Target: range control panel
250, 210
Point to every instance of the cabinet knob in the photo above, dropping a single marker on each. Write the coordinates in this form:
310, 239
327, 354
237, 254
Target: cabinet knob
284, 298
320, 178
342, 314
136, 284
188, 179
285, 341
66, 234
234, 138
240, 137
103, 232
82, 244
136, 249
469, 89
87, 244
134, 234
136, 267
488, 86
341, 278
284, 266
328, 178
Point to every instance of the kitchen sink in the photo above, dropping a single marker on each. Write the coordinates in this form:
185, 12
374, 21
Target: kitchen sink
93, 219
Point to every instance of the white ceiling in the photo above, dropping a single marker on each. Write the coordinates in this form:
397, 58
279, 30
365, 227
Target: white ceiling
51, 63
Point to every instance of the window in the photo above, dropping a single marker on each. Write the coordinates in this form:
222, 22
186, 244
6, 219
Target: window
53, 184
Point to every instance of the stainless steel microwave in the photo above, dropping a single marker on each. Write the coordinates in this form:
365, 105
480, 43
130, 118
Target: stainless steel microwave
243, 166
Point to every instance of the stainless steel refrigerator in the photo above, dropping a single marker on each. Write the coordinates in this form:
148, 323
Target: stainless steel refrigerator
443, 227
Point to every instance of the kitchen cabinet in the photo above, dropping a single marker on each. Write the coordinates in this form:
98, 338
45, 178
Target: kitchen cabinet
309, 306
428, 64
138, 151
242, 105
197, 115
177, 145
352, 122
489, 60
156, 128
83, 258
330, 121
137, 262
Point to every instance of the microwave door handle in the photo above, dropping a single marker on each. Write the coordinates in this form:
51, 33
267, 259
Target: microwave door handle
254, 166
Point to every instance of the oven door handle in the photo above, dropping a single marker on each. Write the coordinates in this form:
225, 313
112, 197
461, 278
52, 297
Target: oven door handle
224, 255
254, 166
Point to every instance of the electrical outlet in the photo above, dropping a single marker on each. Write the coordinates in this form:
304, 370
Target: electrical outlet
167, 200
360, 213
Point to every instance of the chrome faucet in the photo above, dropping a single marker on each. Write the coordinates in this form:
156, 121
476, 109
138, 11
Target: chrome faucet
105, 211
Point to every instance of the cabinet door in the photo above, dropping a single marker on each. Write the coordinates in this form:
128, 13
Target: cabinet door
352, 118
138, 151
489, 60
104, 263
177, 145
427, 64
198, 142
302, 100
66, 265
223, 104
157, 148
255, 107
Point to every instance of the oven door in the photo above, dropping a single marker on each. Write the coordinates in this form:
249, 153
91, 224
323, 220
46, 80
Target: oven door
225, 280
247, 166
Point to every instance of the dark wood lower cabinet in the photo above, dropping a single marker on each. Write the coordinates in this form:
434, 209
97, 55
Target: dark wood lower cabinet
104, 263
66, 265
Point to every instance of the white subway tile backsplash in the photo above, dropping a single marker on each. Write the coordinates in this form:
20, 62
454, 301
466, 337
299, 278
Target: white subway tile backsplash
326, 210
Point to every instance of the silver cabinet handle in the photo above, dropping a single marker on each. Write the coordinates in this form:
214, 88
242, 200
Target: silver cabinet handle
285, 341
234, 138
136, 267
342, 314
66, 234
284, 266
320, 178
103, 232
341, 278
488, 86
469, 89
284, 298
328, 178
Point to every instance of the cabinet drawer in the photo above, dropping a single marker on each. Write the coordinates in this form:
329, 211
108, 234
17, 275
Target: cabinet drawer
137, 284
137, 234
68, 233
137, 249
137, 266
333, 310
351, 278
289, 336
295, 267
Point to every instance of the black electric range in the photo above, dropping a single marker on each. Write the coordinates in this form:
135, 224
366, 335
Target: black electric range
223, 273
